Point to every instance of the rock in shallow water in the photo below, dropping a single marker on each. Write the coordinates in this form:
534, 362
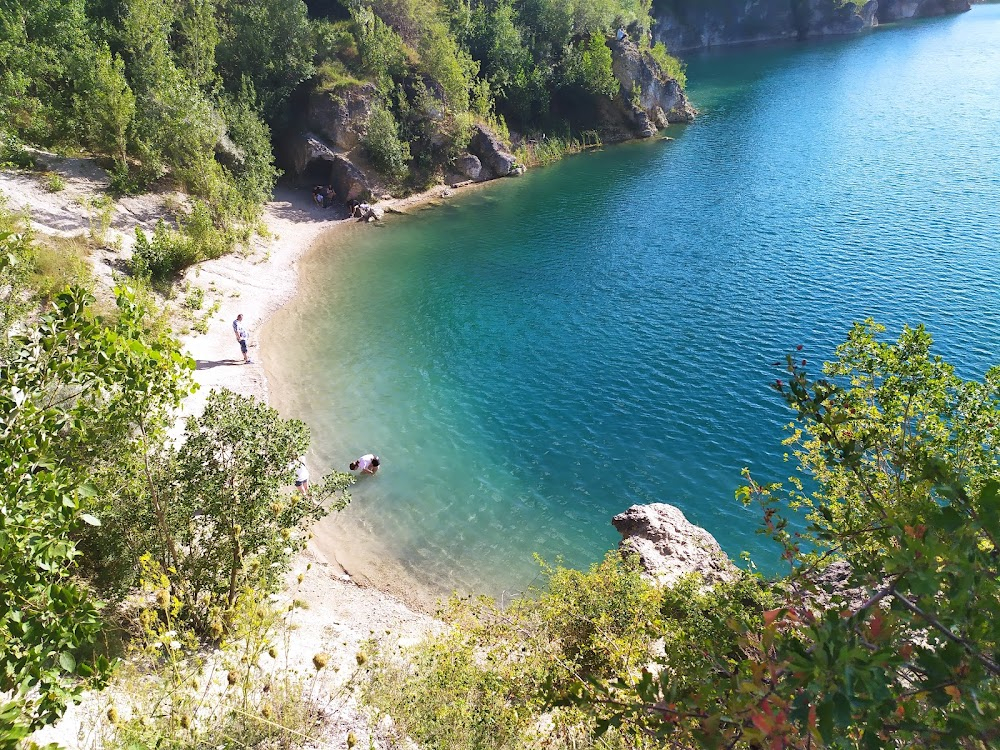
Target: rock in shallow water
669, 546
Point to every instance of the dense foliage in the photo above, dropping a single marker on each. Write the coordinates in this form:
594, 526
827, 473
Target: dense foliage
193, 89
94, 491
882, 635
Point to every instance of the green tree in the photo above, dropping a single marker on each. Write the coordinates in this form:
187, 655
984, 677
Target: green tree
270, 43
254, 171
448, 64
176, 124
589, 66
44, 51
380, 49
230, 525
72, 386
198, 36
387, 152
108, 109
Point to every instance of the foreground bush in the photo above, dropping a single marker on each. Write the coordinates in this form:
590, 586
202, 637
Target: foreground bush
900, 458
483, 682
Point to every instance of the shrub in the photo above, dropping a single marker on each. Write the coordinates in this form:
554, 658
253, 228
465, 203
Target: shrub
159, 258
670, 65
17, 263
481, 682
383, 145
54, 182
13, 153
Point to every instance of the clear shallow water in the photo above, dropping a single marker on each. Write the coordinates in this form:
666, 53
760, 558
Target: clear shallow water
536, 356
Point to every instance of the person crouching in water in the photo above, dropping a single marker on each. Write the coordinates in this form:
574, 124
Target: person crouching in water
368, 464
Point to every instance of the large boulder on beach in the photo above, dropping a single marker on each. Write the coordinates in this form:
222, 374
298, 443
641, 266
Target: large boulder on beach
491, 152
669, 546
349, 182
468, 166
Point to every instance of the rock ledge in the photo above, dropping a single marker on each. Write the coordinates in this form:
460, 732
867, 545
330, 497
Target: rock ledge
669, 546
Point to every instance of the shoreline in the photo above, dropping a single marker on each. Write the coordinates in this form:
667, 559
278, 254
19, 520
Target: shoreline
257, 284
256, 281
331, 612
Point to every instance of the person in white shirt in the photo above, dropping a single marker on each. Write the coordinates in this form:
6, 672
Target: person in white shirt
367, 464
241, 335
302, 476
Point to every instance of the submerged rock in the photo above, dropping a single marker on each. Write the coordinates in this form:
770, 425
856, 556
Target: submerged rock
669, 546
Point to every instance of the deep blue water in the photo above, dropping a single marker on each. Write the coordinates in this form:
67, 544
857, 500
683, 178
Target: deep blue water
534, 357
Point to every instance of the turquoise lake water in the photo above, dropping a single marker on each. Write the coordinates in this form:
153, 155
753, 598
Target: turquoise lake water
537, 355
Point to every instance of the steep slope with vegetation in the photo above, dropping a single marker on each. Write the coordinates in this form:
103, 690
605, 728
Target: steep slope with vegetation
194, 90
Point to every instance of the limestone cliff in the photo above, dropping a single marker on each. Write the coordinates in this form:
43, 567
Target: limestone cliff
647, 96
898, 10
695, 24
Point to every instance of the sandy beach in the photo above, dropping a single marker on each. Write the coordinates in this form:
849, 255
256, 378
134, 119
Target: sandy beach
338, 612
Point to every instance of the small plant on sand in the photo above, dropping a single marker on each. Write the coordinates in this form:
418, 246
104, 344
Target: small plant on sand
99, 216
54, 182
195, 298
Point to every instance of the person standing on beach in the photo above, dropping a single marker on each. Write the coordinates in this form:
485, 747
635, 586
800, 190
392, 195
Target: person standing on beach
368, 464
241, 335
302, 476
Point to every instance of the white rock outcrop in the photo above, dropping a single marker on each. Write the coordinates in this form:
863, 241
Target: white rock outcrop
669, 546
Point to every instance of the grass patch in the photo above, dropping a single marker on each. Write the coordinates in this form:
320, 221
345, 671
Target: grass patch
549, 149
54, 182
333, 76
60, 261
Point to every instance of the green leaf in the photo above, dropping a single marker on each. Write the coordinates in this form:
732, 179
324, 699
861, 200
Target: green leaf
824, 720
67, 662
90, 520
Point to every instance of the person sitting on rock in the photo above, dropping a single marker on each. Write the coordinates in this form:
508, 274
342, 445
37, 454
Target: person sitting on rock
621, 34
318, 195
329, 196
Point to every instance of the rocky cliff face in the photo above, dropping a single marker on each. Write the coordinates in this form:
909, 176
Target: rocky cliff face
695, 24
647, 100
341, 117
669, 546
898, 10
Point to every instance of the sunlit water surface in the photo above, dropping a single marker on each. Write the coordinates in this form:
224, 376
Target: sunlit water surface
535, 356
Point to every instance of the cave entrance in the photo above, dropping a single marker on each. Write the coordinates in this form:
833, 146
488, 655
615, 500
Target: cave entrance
317, 172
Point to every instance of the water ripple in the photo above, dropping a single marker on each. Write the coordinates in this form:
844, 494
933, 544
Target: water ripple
548, 351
